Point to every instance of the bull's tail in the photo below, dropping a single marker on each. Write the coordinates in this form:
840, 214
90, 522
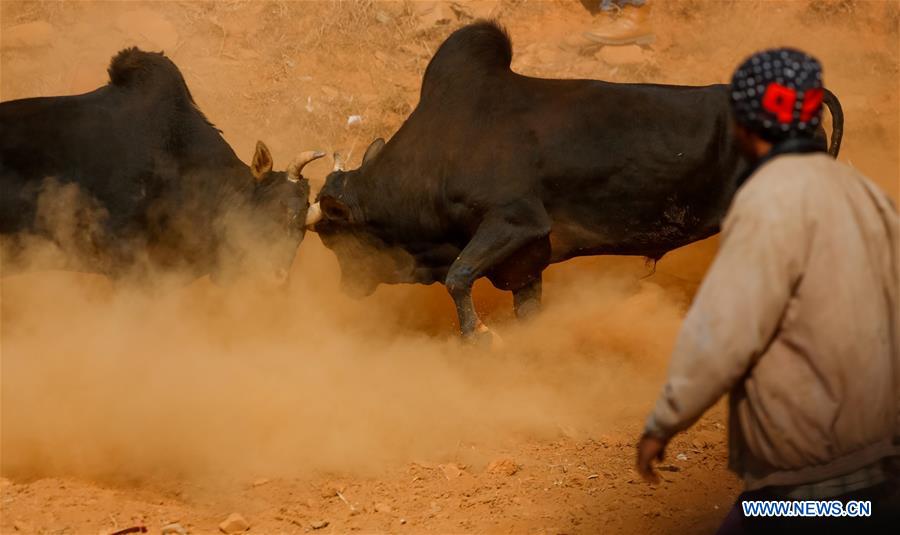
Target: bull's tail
837, 122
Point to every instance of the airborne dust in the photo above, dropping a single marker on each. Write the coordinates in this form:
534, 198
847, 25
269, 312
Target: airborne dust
112, 382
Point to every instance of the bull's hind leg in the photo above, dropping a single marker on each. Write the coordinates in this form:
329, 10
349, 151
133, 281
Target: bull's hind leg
527, 300
502, 232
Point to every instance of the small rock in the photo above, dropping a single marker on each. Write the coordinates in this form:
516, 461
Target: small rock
503, 467
29, 35
328, 491
330, 92
260, 481
402, 521
451, 471
577, 41
383, 16
174, 527
548, 55
431, 14
622, 55
383, 508
681, 457
319, 524
382, 57
668, 468
23, 527
414, 50
475, 9
354, 119
235, 523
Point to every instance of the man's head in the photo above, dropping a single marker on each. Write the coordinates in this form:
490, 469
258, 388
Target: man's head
776, 95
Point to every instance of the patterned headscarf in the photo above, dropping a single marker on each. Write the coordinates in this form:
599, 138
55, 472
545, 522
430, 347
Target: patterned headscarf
777, 94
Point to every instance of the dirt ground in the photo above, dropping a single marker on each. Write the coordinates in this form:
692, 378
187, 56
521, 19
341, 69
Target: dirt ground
306, 411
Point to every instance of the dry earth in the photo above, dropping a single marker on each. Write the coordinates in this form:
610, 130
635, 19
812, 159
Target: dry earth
311, 412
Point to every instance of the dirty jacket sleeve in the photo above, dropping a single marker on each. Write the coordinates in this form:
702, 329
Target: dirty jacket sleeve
739, 305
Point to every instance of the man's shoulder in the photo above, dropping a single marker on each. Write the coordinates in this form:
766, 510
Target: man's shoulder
795, 169
785, 180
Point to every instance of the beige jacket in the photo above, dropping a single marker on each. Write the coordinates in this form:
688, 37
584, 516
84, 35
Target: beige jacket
797, 317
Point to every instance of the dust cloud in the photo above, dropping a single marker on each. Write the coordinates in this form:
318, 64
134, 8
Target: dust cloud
112, 381
122, 382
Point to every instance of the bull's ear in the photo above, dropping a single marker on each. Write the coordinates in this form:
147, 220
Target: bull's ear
262, 161
373, 150
333, 209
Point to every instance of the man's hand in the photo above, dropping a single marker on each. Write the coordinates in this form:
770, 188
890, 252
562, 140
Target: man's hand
648, 449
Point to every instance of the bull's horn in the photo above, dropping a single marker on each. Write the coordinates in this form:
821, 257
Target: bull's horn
295, 169
338, 162
313, 215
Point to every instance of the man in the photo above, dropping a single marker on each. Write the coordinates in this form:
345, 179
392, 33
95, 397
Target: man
797, 317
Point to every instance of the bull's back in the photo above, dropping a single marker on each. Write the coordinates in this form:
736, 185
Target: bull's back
630, 168
93, 140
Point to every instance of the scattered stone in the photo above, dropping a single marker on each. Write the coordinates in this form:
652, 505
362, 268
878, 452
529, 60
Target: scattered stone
383, 508
235, 523
431, 14
151, 26
548, 55
383, 16
402, 521
622, 55
503, 467
414, 50
577, 41
174, 527
451, 471
132, 529
22, 527
29, 35
668, 468
681, 457
354, 119
261, 481
475, 9
319, 524
330, 92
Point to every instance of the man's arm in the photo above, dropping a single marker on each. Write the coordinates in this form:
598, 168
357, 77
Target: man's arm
740, 304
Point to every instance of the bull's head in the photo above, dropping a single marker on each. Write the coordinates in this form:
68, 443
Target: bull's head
345, 226
280, 203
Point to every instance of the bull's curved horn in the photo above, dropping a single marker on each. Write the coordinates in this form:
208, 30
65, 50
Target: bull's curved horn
338, 162
296, 167
313, 215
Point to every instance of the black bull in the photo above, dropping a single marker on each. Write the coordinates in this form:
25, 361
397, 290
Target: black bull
496, 174
163, 183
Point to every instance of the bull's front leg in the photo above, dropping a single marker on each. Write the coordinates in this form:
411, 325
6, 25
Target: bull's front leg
502, 232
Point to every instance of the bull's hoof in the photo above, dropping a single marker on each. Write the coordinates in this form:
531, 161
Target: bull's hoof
485, 338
